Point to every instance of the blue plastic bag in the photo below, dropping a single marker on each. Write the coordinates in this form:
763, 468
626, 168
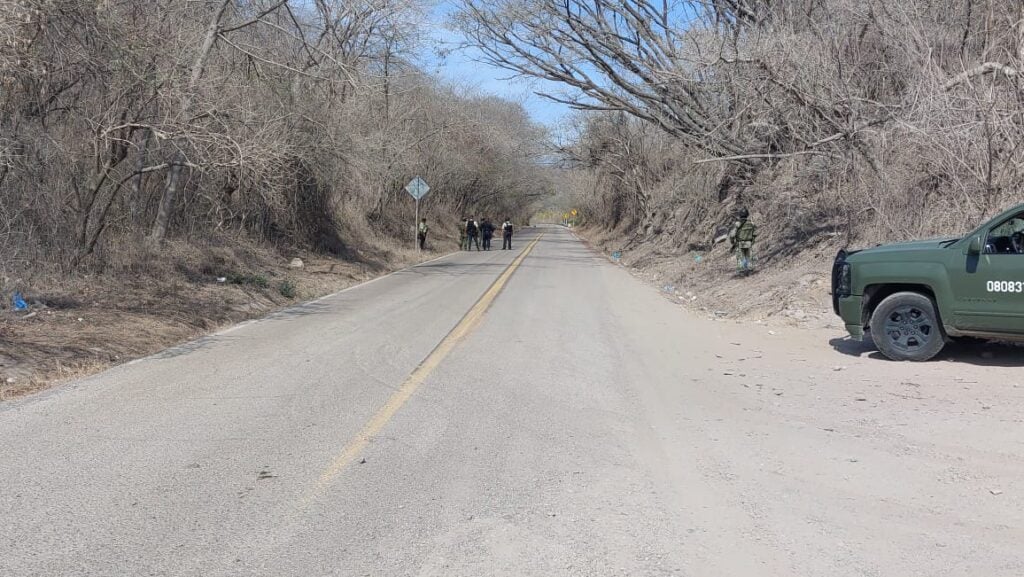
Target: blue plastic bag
19, 302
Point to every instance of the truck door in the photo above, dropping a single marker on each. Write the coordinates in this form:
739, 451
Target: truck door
989, 288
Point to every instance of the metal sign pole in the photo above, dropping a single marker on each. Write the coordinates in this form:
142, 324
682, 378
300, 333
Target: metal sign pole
417, 189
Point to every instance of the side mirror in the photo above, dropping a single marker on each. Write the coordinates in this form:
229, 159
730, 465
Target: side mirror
974, 249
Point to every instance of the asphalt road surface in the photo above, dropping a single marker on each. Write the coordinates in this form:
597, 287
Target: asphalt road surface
528, 412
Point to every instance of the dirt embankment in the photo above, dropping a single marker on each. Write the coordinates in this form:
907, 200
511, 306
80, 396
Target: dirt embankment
794, 291
83, 323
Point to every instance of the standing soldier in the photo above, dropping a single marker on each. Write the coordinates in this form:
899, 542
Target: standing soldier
487, 232
472, 234
421, 234
742, 236
462, 233
506, 234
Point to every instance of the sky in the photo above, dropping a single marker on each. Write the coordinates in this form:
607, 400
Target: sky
462, 68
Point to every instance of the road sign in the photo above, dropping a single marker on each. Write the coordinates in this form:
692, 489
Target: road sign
417, 188
574, 212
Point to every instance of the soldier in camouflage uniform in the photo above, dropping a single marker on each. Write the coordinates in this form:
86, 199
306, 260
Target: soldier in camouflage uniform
742, 237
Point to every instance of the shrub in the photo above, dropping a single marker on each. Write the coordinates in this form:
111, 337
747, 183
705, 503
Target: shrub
251, 279
287, 289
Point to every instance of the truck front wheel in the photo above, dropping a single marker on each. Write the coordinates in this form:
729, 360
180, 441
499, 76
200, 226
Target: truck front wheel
906, 327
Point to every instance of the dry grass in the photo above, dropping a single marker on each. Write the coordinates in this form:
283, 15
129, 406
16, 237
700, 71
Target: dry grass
794, 289
80, 325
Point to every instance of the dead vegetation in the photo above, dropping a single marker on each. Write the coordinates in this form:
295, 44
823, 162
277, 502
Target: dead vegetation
836, 122
85, 322
149, 147
291, 123
130, 128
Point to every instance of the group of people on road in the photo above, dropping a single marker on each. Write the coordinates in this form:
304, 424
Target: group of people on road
472, 232
741, 237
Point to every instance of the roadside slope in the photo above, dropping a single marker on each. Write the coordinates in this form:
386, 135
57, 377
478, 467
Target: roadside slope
81, 324
794, 290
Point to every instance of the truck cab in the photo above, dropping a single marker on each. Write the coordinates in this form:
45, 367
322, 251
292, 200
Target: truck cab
913, 297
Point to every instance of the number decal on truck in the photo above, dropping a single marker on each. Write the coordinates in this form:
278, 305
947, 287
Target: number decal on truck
1005, 286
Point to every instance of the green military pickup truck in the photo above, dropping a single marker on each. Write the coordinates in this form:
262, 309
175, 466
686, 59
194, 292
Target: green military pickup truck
913, 297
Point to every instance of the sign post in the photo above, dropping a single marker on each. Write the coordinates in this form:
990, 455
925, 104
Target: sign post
417, 188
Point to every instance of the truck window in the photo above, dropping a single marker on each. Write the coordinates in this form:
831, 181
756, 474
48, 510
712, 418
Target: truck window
1007, 237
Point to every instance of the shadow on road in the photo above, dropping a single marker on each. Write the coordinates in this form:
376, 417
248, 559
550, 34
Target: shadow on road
303, 310
582, 259
973, 352
188, 348
554, 240
453, 268
853, 348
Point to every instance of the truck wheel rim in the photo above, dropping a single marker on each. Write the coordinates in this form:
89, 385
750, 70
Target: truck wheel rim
909, 329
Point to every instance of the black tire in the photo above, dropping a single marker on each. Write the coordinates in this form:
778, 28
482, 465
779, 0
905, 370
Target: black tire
906, 327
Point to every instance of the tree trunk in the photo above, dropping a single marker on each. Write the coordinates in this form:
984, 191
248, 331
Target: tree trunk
166, 208
173, 187
1020, 34
140, 163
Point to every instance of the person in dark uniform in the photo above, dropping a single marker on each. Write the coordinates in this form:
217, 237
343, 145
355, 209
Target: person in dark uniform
472, 234
506, 234
421, 234
487, 232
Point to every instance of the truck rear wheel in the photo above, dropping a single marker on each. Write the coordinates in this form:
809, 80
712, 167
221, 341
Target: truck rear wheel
905, 327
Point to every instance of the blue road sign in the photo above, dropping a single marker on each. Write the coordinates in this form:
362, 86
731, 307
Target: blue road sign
417, 188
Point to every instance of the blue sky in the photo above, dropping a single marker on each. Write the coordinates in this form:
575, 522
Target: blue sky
461, 68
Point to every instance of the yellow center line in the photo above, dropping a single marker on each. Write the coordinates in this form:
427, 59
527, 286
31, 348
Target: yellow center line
418, 376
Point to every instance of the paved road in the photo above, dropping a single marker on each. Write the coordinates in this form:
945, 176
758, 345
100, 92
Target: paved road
574, 423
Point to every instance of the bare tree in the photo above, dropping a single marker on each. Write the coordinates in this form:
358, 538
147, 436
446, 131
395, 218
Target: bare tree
620, 55
294, 122
215, 29
875, 118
